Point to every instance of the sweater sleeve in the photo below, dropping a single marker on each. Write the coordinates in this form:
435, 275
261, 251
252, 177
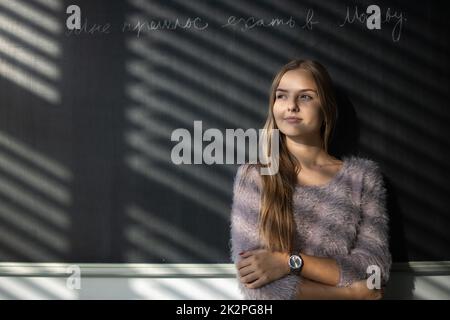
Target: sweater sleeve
244, 236
372, 244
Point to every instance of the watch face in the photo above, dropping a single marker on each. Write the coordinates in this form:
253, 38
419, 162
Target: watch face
295, 262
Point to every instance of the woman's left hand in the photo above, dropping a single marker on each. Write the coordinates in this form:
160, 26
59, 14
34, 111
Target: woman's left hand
261, 266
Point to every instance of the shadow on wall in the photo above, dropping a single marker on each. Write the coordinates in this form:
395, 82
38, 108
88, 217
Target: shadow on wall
346, 141
400, 286
346, 133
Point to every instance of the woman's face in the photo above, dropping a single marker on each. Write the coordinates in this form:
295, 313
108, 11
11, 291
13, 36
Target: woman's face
297, 109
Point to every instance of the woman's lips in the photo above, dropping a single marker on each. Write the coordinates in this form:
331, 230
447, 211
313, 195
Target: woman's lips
292, 120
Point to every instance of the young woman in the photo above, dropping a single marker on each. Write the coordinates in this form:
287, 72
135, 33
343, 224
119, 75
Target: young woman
318, 228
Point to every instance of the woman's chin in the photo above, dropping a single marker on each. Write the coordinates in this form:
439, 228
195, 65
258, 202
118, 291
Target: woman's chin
291, 133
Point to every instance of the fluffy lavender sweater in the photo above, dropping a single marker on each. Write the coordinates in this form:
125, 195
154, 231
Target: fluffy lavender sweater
345, 219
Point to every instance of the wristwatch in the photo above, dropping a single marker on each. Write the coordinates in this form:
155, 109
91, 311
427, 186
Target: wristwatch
295, 263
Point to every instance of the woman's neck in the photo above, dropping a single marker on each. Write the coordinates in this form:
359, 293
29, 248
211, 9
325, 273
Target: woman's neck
310, 154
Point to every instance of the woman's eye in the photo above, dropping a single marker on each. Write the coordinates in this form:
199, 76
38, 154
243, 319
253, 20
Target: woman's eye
305, 97
280, 96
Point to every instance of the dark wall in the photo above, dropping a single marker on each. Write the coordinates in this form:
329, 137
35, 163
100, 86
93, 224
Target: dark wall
86, 120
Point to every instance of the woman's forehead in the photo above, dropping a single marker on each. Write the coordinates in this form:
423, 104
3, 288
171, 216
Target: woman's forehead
296, 80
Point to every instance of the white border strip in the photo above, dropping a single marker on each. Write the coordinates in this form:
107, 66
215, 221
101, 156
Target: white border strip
126, 270
188, 270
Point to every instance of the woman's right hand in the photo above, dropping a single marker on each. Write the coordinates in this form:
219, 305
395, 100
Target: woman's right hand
360, 291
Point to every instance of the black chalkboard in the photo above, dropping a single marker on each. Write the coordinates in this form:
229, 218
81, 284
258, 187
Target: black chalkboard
86, 118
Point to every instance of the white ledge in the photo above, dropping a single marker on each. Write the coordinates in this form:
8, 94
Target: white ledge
145, 270
188, 270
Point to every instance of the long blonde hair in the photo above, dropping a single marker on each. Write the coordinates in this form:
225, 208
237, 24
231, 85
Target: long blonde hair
276, 222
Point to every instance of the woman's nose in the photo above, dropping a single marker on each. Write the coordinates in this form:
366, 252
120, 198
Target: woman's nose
292, 108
